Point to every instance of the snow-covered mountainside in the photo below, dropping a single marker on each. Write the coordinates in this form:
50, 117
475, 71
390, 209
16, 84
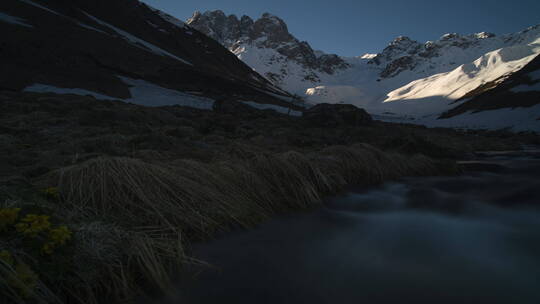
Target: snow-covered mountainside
267, 46
121, 49
407, 80
515, 97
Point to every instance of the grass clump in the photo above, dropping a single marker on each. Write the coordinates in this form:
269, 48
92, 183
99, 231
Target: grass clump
133, 220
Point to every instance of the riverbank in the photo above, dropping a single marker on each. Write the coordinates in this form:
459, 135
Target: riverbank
135, 186
472, 238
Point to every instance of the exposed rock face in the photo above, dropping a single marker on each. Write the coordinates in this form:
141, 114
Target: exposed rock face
405, 54
398, 47
90, 45
331, 115
397, 66
268, 32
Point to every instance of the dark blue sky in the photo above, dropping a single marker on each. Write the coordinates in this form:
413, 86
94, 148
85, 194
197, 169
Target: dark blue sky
355, 27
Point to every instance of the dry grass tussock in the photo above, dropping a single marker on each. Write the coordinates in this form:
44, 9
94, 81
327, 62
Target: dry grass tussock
135, 218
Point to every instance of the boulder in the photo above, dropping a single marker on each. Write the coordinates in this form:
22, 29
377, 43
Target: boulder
331, 115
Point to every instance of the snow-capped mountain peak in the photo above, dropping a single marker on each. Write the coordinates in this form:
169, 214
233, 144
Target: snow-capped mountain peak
451, 50
268, 47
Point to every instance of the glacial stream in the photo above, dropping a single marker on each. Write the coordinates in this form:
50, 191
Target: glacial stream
473, 238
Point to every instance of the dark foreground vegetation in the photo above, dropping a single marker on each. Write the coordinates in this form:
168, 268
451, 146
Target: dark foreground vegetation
100, 198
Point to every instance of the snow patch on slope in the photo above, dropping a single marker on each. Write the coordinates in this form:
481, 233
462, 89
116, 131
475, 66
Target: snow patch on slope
368, 56
334, 94
58, 14
14, 20
515, 119
276, 108
137, 41
88, 27
43, 88
41, 6
148, 94
142, 92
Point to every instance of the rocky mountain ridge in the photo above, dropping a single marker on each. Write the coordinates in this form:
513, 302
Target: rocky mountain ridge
267, 32
266, 43
404, 54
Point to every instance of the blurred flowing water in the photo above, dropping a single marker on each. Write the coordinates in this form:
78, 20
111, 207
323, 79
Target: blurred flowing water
467, 239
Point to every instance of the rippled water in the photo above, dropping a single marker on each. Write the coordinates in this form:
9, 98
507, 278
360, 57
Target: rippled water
467, 239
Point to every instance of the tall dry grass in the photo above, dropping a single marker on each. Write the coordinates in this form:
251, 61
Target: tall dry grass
154, 210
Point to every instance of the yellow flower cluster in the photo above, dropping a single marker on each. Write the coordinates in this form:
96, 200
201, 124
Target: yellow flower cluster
23, 278
57, 237
8, 217
18, 275
33, 224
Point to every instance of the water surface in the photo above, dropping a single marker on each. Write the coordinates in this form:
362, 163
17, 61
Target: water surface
467, 239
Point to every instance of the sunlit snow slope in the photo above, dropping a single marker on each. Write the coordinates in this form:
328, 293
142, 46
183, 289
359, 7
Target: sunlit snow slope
437, 93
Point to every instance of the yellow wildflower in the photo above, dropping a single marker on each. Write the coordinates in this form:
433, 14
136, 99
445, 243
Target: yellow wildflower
57, 237
8, 216
60, 235
33, 224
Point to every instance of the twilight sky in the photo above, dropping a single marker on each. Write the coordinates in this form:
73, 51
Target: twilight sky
355, 27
